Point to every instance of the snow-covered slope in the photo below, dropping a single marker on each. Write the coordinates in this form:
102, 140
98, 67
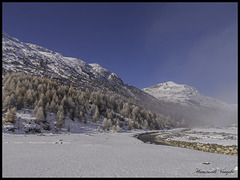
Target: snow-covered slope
184, 95
191, 99
30, 58
167, 98
36, 60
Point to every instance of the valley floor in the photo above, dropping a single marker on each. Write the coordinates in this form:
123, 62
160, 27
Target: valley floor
106, 155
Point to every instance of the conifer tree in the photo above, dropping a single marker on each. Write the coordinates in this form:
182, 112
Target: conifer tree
52, 106
145, 124
86, 105
76, 112
17, 92
19, 102
70, 103
11, 116
105, 124
125, 110
109, 124
47, 107
48, 94
61, 117
35, 110
6, 103
117, 128
40, 103
40, 117
12, 100
70, 91
109, 114
71, 114
92, 109
96, 114
81, 99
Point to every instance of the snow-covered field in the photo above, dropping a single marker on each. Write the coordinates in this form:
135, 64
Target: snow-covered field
99, 154
225, 136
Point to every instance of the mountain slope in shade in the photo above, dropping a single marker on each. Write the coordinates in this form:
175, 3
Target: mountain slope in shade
193, 102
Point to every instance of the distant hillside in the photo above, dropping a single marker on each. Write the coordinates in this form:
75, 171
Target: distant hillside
193, 105
34, 78
44, 82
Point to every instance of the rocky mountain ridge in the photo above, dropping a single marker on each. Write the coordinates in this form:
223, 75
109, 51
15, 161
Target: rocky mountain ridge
178, 101
184, 95
193, 102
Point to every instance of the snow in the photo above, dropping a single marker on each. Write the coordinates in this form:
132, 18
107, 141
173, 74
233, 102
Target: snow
96, 154
16, 51
33, 58
181, 93
170, 91
226, 136
88, 152
97, 68
192, 105
26, 120
85, 152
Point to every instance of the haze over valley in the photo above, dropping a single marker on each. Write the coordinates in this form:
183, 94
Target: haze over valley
119, 90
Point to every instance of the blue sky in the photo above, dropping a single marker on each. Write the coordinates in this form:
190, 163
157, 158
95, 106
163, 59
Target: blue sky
143, 43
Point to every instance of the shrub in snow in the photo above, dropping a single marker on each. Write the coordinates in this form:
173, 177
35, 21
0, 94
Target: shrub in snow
33, 128
9, 126
46, 127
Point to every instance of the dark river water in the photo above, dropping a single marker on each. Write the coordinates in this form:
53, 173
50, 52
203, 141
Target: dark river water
149, 138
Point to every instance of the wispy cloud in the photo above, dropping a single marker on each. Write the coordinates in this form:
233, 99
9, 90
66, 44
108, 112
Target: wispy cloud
196, 44
213, 61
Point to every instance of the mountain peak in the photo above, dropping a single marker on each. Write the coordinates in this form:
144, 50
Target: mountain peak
171, 86
38, 60
183, 94
171, 83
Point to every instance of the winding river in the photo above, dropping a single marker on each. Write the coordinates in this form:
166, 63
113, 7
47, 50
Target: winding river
149, 137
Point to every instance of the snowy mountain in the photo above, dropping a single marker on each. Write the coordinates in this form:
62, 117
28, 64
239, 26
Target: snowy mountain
41, 62
35, 59
18, 56
184, 95
170, 99
190, 99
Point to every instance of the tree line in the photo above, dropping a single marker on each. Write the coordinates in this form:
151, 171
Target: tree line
83, 104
